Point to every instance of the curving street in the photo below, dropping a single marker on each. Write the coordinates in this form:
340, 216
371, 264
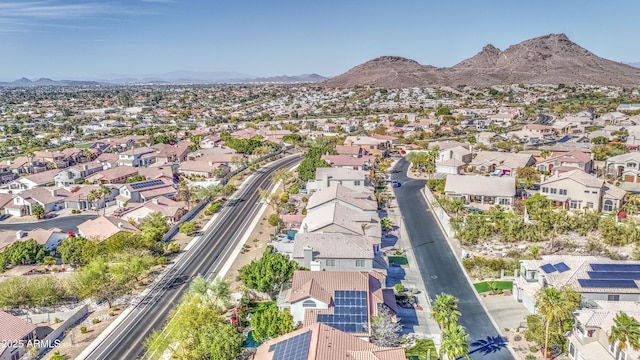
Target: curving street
205, 258
440, 269
64, 223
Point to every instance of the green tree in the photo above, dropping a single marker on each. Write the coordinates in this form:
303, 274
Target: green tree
386, 223
455, 342
135, 178
217, 341
153, 227
274, 219
271, 323
92, 197
93, 281
555, 306
187, 227
57, 356
22, 252
312, 160
208, 193
282, 175
76, 250
269, 272
444, 310
37, 210
624, 333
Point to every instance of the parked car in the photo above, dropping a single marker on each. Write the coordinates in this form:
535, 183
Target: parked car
395, 183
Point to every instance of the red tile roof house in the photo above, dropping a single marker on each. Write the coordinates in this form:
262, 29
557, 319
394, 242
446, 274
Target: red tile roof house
13, 331
142, 191
49, 238
116, 175
322, 342
573, 159
51, 199
104, 227
350, 162
313, 294
171, 209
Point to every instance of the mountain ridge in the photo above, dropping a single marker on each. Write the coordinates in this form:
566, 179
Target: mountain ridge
547, 59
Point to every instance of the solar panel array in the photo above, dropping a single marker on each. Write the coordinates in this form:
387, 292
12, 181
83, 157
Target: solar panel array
559, 267
612, 276
616, 267
295, 348
350, 312
600, 283
144, 184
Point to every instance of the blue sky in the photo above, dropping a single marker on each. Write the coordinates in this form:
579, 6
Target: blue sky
74, 38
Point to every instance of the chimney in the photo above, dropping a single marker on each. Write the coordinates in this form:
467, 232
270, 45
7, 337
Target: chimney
85, 167
54, 192
210, 163
20, 234
541, 178
305, 228
155, 201
120, 225
325, 180
308, 256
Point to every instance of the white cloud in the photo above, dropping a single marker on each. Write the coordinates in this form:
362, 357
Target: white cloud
52, 10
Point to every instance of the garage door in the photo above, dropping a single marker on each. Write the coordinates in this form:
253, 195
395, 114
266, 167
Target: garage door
628, 178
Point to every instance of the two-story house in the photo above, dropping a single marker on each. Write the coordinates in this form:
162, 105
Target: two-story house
350, 162
577, 190
328, 296
357, 180
589, 339
625, 166
566, 162
142, 191
333, 252
137, 157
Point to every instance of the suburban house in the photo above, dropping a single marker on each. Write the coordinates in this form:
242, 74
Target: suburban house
51, 199
167, 154
370, 144
333, 252
210, 141
452, 158
500, 163
103, 227
73, 174
322, 342
13, 331
205, 169
577, 190
338, 218
142, 191
40, 179
137, 157
485, 190
357, 180
354, 151
49, 238
340, 194
344, 300
625, 166
79, 198
589, 339
350, 162
539, 130
116, 175
60, 160
595, 278
172, 210
567, 161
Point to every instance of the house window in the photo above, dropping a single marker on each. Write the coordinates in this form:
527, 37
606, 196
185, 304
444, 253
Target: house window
331, 262
356, 182
612, 348
504, 201
563, 191
545, 189
309, 304
586, 191
572, 350
360, 263
554, 190
608, 206
613, 297
589, 205
623, 355
574, 205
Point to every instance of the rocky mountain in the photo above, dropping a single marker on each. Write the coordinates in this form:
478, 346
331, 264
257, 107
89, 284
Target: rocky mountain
304, 78
24, 82
549, 59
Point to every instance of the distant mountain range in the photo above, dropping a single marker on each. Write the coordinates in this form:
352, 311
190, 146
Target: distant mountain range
176, 77
634, 64
549, 59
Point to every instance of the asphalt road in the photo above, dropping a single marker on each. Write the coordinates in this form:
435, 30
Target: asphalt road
204, 258
65, 223
441, 271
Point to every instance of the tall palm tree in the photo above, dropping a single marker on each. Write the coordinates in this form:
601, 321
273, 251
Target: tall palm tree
208, 193
554, 305
185, 192
104, 191
93, 196
624, 333
444, 310
455, 342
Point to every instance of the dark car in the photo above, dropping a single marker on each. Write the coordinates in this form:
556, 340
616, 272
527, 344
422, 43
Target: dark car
396, 183
233, 201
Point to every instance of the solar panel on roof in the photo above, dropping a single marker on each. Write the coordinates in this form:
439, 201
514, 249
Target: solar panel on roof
561, 267
548, 268
614, 275
295, 348
601, 283
144, 184
616, 267
350, 312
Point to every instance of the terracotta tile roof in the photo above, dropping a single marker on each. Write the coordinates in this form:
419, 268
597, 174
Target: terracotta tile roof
327, 343
341, 193
333, 246
346, 160
348, 150
13, 328
104, 227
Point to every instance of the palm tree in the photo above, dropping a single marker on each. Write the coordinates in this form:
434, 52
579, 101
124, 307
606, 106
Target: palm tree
208, 193
103, 192
93, 196
625, 333
185, 192
454, 342
554, 305
444, 310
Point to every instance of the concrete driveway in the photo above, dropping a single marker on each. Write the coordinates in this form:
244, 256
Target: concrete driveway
505, 310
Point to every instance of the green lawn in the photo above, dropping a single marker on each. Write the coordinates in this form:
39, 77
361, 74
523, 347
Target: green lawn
420, 351
483, 287
400, 260
84, 146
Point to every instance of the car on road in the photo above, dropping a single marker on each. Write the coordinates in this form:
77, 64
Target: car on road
233, 201
396, 183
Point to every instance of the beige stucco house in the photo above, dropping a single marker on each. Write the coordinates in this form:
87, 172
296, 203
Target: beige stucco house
577, 190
